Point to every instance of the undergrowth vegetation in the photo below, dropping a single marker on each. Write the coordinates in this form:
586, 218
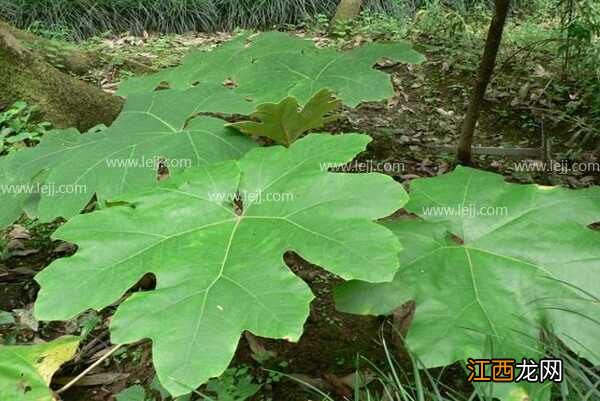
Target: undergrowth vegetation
18, 128
553, 46
83, 18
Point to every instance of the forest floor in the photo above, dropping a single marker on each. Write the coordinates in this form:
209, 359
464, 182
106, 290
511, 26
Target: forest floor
408, 130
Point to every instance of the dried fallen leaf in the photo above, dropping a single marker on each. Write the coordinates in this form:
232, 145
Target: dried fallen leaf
230, 83
445, 113
541, 72
95, 380
360, 379
523, 92
341, 388
24, 252
26, 319
259, 351
64, 247
19, 232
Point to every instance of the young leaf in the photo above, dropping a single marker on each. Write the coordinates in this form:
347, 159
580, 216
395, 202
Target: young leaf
163, 125
214, 238
26, 370
286, 121
272, 66
488, 264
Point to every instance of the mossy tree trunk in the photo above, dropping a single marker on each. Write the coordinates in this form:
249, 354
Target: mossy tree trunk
62, 99
65, 57
347, 10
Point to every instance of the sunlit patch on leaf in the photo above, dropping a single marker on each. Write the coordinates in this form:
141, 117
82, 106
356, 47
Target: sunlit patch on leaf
26, 370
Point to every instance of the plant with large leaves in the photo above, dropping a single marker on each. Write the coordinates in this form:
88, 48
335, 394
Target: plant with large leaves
489, 264
157, 126
26, 370
272, 66
286, 121
214, 238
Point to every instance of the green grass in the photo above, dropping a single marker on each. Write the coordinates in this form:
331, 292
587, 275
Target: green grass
85, 18
395, 382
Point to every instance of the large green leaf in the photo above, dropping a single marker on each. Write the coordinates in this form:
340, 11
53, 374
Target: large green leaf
162, 125
484, 285
217, 66
272, 66
218, 264
26, 370
286, 121
20, 171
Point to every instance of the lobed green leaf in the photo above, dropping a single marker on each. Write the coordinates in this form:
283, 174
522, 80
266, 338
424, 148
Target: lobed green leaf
162, 126
486, 281
286, 121
272, 66
214, 238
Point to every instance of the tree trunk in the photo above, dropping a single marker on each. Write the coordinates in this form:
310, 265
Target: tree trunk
62, 99
484, 76
347, 10
67, 57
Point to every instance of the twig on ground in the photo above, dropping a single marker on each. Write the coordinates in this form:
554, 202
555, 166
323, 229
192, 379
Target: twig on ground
89, 369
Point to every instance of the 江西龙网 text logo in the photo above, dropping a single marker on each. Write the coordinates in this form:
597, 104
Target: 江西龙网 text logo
509, 370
